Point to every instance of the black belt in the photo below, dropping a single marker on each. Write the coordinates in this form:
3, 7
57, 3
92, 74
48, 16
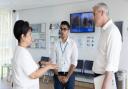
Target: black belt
63, 73
96, 75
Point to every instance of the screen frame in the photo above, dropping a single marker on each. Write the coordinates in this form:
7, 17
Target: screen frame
71, 31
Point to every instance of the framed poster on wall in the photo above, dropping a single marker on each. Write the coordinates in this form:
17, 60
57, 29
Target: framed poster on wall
38, 35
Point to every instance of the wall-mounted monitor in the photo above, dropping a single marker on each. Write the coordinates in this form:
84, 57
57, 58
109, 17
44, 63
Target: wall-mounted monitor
82, 22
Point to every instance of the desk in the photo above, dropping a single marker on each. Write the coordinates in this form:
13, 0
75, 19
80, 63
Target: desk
8, 68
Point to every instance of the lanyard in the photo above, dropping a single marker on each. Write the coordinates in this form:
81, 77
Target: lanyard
64, 48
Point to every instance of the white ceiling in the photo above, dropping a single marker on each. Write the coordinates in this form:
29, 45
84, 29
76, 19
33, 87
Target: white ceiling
26, 4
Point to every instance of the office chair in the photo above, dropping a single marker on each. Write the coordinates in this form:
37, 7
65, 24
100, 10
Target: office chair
79, 67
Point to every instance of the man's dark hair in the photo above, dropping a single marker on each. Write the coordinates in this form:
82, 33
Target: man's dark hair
65, 23
21, 27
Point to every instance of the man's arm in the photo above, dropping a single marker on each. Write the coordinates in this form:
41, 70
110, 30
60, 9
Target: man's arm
114, 44
71, 70
74, 59
107, 80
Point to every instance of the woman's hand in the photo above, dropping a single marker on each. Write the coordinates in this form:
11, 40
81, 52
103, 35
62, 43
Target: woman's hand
45, 63
52, 66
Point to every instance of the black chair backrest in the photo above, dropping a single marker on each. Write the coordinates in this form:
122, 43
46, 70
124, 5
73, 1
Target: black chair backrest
88, 65
43, 58
80, 64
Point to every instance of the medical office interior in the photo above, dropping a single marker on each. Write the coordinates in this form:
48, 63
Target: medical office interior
45, 16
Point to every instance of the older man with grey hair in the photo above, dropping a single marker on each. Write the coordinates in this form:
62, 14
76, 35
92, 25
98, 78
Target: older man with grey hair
109, 46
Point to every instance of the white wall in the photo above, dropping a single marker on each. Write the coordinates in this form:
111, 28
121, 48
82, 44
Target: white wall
118, 11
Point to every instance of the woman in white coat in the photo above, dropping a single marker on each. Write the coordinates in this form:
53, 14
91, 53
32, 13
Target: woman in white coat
25, 70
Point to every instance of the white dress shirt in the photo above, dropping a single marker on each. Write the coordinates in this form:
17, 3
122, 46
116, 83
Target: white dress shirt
109, 49
23, 65
65, 54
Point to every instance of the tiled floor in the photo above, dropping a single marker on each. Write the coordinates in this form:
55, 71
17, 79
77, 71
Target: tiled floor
50, 86
6, 85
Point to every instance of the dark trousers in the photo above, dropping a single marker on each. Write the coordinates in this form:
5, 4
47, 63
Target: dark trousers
69, 85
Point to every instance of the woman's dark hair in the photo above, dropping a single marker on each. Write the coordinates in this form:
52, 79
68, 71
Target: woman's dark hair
65, 23
21, 27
